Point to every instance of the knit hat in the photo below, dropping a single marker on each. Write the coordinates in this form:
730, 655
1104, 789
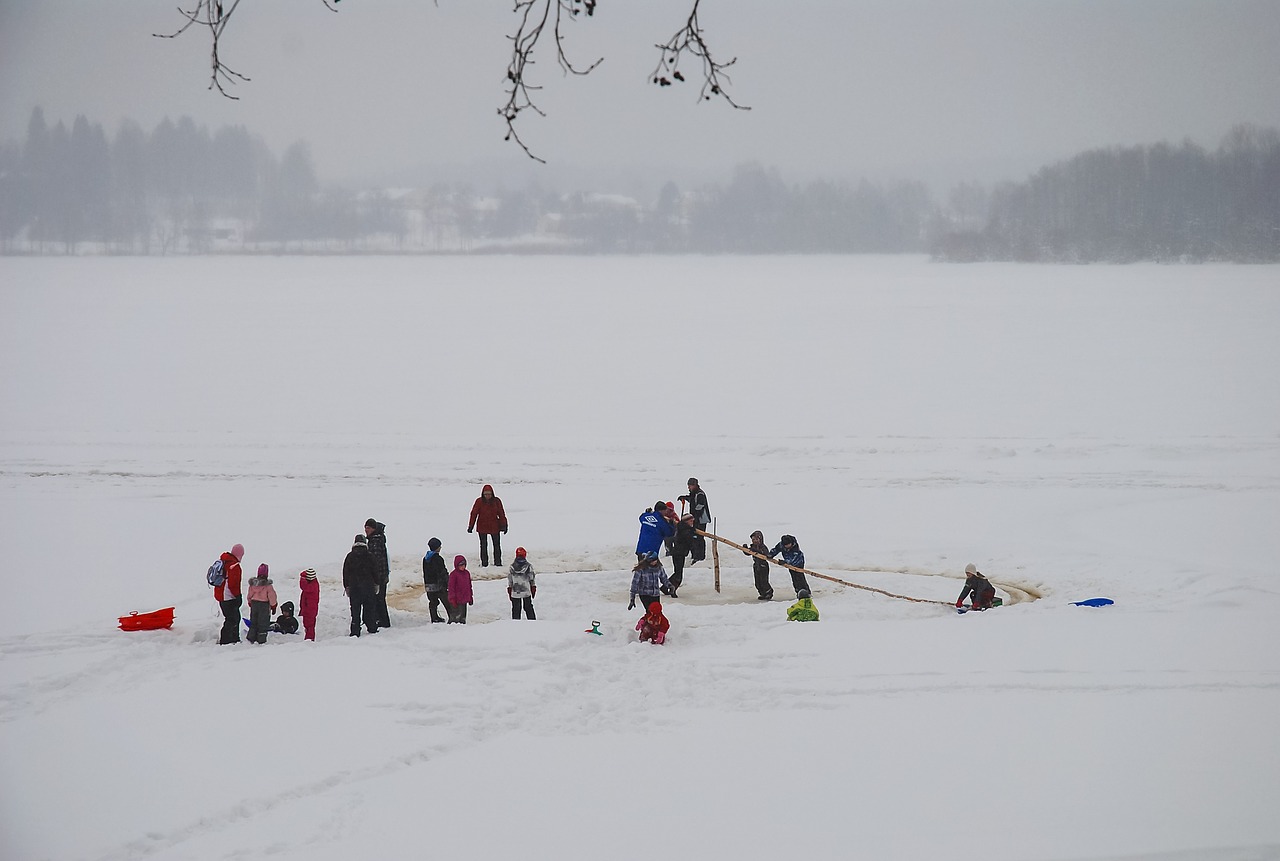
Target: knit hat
361, 541
693, 481
434, 543
371, 524
520, 553
758, 534
971, 568
688, 516
238, 552
309, 574
659, 506
262, 570
287, 608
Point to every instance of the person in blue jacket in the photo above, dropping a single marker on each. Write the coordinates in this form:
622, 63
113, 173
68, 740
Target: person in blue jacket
793, 556
654, 527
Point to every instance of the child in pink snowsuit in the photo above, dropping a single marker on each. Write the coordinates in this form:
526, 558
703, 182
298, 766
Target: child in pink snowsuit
459, 590
262, 603
309, 603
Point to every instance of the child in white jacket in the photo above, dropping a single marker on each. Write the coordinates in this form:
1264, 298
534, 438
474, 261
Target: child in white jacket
521, 586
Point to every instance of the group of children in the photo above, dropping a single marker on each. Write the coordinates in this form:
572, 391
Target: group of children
452, 589
263, 601
261, 595
649, 578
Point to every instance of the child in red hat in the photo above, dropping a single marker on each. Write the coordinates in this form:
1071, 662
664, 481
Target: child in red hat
521, 586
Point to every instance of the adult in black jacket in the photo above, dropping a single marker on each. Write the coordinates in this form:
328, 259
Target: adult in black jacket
360, 582
681, 546
697, 500
376, 534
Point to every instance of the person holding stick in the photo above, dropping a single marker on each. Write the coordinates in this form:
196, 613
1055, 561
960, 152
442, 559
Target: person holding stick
794, 557
683, 544
697, 501
760, 567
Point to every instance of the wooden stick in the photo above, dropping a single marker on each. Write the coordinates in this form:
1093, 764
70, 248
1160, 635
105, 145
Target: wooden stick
715, 555
750, 552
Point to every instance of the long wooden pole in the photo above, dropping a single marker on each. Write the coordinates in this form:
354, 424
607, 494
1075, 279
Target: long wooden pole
750, 552
715, 555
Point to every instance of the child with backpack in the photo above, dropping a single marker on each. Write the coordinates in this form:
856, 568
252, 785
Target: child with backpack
262, 603
760, 567
224, 577
286, 622
653, 626
460, 594
309, 602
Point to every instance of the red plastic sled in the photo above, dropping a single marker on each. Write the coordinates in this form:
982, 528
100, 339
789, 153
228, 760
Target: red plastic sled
154, 621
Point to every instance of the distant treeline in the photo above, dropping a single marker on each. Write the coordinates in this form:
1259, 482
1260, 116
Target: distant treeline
69, 191
182, 189
1161, 202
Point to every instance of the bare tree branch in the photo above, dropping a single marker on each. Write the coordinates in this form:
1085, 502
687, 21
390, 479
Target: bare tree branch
537, 18
535, 15
689, 40
213, 15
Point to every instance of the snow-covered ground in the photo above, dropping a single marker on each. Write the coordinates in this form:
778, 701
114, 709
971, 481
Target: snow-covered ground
1074, 431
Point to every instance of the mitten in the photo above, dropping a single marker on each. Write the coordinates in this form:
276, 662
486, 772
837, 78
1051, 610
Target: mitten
960, 603
508, 591
469, 530
533, 592
632, 605
504, 530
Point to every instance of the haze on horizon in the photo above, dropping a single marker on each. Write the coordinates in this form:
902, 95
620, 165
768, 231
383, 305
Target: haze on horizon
405, 91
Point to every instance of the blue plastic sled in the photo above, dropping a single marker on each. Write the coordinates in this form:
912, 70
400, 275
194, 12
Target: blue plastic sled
1093, 602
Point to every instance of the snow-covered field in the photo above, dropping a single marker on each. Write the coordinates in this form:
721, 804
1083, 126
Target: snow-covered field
1074, 431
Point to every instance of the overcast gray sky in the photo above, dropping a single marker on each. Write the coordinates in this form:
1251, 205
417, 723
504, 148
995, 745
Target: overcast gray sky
399, 90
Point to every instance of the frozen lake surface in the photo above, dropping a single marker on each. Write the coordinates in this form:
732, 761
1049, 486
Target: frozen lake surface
1073, 431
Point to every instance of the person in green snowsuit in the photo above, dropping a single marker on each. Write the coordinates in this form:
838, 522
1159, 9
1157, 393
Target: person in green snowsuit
803, 609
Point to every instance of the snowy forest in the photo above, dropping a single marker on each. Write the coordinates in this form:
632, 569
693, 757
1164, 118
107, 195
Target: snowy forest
183, 189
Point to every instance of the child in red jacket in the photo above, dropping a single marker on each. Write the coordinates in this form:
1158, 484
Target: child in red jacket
459, 590
309, 603
653, 626
228, 595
